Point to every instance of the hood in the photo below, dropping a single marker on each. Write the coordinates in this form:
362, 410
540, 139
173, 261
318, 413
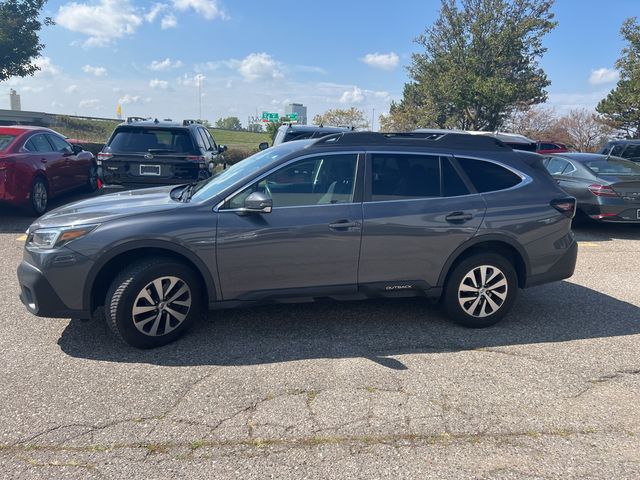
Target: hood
108, 207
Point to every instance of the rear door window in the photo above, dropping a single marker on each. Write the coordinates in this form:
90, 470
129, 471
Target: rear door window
38, 143
558, 166
488, 176
402, 177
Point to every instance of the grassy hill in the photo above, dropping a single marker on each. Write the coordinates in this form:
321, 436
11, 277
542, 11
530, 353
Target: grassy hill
98, 131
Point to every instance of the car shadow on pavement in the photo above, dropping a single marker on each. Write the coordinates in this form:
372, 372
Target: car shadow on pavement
601, 232
379, 330
17, 220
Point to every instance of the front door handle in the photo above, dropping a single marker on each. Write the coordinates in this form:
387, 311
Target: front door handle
43, 160
458, 217
342, 225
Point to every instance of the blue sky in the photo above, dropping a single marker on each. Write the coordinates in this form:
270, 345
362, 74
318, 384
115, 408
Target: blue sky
251, 56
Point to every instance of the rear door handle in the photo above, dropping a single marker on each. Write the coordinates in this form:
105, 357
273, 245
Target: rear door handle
43, 160
458, 217
342, 225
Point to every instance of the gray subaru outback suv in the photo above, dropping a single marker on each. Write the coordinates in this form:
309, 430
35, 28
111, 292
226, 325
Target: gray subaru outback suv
354, 215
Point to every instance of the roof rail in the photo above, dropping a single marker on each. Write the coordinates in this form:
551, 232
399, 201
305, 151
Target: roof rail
137, 119
416, 139
191, 122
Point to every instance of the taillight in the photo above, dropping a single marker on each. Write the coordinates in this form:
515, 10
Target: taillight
602, 190
196, 158
566, 206
104, 156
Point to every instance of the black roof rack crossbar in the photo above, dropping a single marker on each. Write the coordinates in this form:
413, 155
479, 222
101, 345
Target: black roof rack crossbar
415, 139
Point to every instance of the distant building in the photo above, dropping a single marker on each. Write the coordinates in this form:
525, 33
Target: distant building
298, 108
14, 101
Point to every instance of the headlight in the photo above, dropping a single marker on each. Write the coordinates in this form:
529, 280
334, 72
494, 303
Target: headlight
48, 238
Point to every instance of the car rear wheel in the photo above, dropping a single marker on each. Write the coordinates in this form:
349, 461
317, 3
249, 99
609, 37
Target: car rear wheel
480, 290
39, 197
153, 302
92, 178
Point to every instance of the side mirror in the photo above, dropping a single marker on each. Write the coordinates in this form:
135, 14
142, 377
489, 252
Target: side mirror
222, 148
76, 148
257, 202
263, 146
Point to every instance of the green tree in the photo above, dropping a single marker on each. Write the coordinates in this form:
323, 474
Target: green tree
337, 117
19, 41
229, 123
255, 127
272, 129
480, 63
621, 108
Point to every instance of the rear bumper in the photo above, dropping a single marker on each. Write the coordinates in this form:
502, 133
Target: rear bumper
39, 297
615, 213
563, 268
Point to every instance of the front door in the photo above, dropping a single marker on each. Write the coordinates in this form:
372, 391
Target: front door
307, 246
417, 211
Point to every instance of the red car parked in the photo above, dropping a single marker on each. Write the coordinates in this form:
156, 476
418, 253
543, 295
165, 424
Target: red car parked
37, 164
550, 147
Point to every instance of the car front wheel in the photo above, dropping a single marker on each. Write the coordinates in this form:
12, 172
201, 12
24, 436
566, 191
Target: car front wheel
480, 290
153, 302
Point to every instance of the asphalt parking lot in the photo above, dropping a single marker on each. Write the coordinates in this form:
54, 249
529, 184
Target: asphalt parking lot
379, 389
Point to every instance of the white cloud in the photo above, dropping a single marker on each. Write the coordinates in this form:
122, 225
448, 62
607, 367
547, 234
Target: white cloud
603, 75
209, 9
354, 95
159, 84
191, 81
102, 22
117, 90
154, 11
71, 89
129, 99
47, 68
95, 71
384, 61
169, 21
162, 65
90, 103
256, 66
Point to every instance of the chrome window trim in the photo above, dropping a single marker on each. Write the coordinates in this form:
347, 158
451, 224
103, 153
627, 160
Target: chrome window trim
357, 153
23, 149
525, 179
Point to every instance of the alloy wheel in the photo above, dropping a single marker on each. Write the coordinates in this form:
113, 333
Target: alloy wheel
161, 306
40, 197
483, 291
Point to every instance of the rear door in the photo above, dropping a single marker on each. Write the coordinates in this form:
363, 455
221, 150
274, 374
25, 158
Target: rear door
417, 211
75, 170
50, 161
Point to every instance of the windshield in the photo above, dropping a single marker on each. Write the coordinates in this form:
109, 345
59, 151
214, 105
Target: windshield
212, 186
5, 140
130, 140
613, 166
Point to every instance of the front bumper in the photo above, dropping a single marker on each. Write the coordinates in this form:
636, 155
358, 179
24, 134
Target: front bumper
37, 294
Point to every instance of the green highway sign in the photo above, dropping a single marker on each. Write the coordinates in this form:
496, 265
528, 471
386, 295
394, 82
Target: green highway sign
292, 116
270, 117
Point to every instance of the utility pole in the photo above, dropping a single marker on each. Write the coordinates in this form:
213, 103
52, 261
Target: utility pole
199, 97
373, 116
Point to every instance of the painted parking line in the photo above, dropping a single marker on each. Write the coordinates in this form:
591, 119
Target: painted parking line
588, 244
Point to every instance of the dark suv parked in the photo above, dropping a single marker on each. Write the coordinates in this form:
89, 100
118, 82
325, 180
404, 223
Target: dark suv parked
628, 149
289, 132
354, 215
143, 153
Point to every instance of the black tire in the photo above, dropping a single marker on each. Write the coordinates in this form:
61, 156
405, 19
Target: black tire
481, 303
92, 178
126, 291
39, 197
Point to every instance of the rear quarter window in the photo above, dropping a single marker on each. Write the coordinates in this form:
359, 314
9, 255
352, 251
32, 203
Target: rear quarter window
488, 176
